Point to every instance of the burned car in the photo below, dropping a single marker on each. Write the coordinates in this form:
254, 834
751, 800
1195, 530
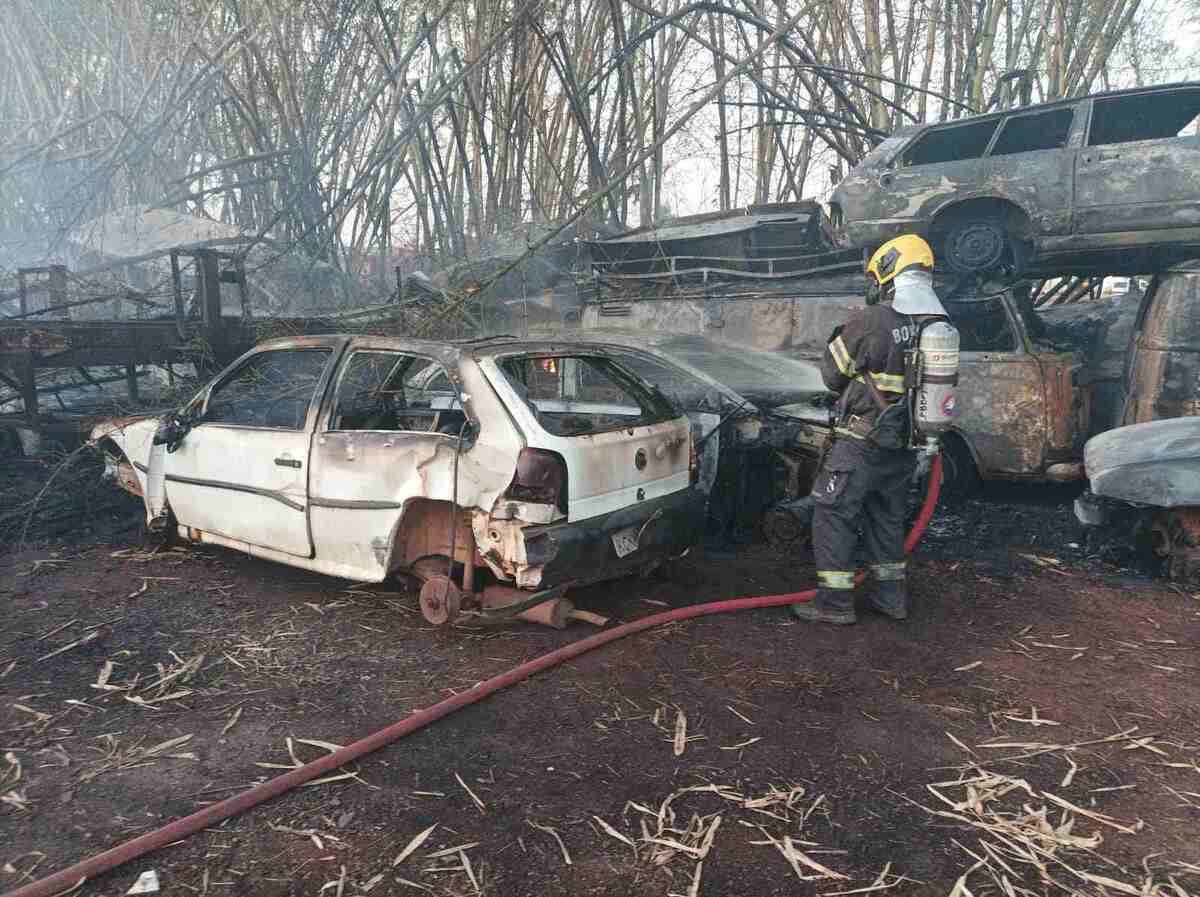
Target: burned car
767, 417
1024, 403
473, 466
1108, 183
1144, 482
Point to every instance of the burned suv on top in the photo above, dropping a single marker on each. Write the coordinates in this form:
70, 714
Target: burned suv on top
1108, 183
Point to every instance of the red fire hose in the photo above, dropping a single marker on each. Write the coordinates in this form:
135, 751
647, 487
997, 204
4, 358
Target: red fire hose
218, 812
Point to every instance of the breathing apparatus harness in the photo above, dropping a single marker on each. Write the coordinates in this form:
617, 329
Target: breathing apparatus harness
928, 406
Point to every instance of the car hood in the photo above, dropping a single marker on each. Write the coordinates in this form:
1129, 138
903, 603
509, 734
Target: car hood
768, 379
1155, 463
811, 411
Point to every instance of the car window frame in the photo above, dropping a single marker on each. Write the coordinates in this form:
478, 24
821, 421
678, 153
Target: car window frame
946, 126
1020, 337
1091, 103
1073, 108
326, 420
497, 363
333, 354
1076, 137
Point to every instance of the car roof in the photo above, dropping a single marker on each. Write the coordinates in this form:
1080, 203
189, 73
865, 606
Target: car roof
1054, 104
497, 344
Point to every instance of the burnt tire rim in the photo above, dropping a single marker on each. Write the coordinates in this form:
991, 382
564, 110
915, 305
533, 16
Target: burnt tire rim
976, 246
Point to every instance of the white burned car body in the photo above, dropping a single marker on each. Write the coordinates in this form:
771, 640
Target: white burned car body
360, 456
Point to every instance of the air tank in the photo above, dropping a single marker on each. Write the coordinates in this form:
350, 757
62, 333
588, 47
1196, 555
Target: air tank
937, 377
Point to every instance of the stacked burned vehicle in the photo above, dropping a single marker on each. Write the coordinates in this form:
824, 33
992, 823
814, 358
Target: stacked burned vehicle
1024, 403
1107, 184
1144, 477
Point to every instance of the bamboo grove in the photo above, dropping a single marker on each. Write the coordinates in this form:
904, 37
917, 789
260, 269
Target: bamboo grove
348, 127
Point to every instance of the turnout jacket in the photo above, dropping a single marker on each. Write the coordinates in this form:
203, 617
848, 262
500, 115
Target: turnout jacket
874, 339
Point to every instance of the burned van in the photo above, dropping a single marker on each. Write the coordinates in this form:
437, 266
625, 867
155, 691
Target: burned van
1163, 370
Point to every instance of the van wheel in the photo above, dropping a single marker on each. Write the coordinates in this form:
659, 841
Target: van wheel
960, 476
976, 246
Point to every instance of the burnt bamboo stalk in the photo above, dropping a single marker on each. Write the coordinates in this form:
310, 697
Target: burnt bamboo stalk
560, 58
463, 175
874, 61
904, 66
930, 47
1112, 38
987, 43
717, 36
898, 59
451, 218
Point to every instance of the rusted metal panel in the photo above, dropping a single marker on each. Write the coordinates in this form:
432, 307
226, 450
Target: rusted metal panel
1002, 403
1164, 374
764, 324
1068, 407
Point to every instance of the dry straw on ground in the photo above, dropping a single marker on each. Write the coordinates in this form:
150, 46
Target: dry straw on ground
1031, 842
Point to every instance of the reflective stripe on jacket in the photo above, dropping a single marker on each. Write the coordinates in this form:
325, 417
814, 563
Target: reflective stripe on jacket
874, 339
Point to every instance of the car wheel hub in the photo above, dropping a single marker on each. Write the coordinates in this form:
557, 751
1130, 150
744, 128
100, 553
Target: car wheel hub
976, 247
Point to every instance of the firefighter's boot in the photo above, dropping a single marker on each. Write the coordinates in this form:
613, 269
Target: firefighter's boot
891, 595
834, 602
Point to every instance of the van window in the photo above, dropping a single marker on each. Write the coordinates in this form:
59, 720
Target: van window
1041, 131
577, 395
982, 326
1144, 116
951, 144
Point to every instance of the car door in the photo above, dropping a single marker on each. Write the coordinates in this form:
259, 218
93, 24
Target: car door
375, 449
1032, 158
242, 470
1001, 392
1139, 170
942, 163
620, 442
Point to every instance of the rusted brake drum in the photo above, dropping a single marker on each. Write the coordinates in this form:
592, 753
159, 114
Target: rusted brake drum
440, 600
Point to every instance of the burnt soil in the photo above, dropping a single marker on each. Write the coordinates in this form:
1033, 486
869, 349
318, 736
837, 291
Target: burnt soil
1016, 637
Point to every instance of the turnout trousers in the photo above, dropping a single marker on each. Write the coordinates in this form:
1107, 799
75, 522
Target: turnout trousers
859, 486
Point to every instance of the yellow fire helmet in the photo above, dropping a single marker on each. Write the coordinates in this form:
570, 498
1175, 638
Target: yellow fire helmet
895, 256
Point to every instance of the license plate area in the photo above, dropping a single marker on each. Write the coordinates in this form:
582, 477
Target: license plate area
625, 541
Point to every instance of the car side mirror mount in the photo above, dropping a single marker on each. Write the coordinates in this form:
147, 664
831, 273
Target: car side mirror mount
173, 428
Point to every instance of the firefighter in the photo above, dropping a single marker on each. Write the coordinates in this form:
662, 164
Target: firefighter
865, 474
